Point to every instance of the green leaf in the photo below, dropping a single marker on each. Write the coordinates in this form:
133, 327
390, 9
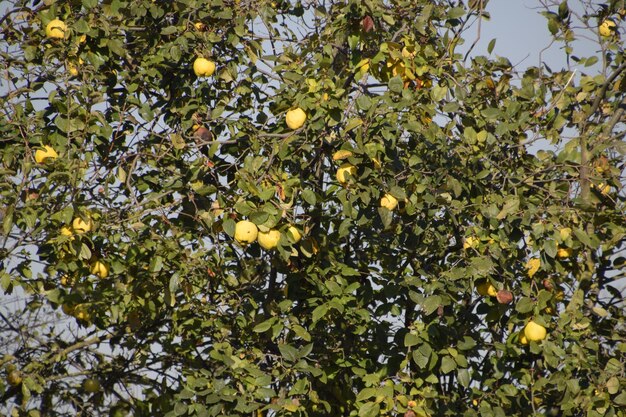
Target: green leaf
177, 141
583, 237
438, 93
447, 364
7, 222
463, 377
422, 355
370, 409
613, 366
525, 305
366, 393
319, 312
5, 281
156, 264
386, 216
229, 226
411, 339
288, 352
591, 61
563, 10
396, 84
456, 12
491, 113
301, 332
612, 385
180, 409
116, 46
620, 399
363, 102
431, 304
549, 247
553, 26
352, 124
259, 217
510, 207
264, 326
451, 107
309, 196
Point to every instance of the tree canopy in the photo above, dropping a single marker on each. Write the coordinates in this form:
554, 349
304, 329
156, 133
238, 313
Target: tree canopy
272, 208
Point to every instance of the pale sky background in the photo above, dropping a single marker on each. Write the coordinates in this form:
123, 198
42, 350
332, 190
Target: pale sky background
521, 34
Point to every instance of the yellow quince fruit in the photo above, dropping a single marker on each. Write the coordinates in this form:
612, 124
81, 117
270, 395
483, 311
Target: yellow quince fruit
100, 269
295, 118
202, 67
534, 332
269, 240
389, 202
246, 232
344, 172
56, 29
607, 28
47, 152
81, 226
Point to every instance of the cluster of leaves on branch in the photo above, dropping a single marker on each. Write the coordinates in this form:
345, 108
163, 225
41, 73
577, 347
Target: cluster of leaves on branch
123, 176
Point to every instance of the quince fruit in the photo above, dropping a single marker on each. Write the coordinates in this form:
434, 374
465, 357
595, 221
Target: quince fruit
81, 226
100, 269
344, 171
269, 240
607, 28
534, 332
246, 232
202, 67
56, 29
295, 118
389, 202
47, 152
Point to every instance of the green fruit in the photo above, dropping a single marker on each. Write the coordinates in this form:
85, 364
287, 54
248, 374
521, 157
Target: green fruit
14, 378
91, 385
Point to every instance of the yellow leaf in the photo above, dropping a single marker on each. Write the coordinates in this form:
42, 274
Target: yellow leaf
342, 154
533, 266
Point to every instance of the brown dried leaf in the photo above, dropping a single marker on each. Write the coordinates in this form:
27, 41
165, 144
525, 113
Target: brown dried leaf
367, 24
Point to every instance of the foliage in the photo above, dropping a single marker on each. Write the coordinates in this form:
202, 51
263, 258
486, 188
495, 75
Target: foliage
506, 177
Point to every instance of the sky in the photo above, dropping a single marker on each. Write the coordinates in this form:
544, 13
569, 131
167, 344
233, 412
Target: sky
521, 33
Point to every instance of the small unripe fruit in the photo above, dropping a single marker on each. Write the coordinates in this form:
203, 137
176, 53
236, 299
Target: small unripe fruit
14, 378
91, 385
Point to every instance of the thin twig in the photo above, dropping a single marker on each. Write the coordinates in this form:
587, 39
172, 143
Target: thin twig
480, 20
